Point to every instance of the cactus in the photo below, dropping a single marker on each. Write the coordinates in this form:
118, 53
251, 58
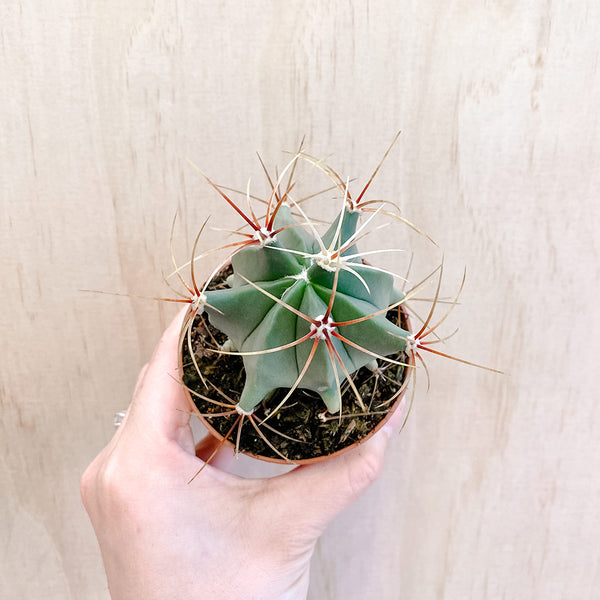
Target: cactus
305, 310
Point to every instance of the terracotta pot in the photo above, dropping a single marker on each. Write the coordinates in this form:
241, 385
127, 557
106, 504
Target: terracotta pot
377, 427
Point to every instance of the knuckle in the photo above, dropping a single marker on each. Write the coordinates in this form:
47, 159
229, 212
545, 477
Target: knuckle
111, 479
87, 485
104, 483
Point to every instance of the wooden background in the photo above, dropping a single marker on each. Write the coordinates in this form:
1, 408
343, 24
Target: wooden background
493, 489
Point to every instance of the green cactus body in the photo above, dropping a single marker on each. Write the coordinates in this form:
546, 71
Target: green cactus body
288, 268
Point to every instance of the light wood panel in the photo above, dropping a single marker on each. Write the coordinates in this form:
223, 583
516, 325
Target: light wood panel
492, 490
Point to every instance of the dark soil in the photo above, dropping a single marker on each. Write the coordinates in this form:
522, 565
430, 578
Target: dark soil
302, 428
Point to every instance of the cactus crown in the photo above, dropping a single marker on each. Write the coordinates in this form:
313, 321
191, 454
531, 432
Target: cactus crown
312, 298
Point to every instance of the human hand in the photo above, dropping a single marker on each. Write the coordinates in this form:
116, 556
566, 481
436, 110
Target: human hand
220, 536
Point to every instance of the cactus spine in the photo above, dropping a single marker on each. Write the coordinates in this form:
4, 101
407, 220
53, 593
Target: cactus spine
303, 310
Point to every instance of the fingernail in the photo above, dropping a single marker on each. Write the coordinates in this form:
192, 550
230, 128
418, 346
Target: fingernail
388, 430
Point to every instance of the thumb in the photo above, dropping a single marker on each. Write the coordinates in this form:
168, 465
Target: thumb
319, 492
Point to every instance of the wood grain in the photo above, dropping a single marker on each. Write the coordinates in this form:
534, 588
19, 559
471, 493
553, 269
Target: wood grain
492, 490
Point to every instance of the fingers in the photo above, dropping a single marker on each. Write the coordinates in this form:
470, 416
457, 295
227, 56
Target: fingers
394, 422
319, 492
160, 403
206, 448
